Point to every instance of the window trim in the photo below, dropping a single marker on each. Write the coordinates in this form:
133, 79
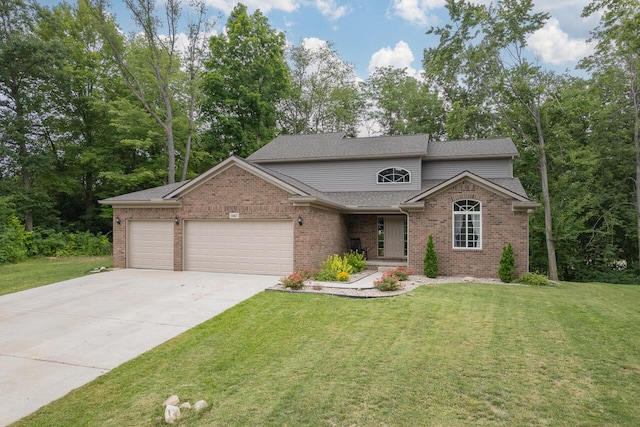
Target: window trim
466, 213
393, 169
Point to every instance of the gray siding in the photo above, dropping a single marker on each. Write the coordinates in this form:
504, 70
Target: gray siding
485, 168
349, 175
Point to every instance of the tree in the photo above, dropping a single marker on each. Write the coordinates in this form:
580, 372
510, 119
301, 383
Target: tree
430, 259
618, 46
156, 55
507, 263
403, 105
28, 66
486, 48
324, 95
246, 76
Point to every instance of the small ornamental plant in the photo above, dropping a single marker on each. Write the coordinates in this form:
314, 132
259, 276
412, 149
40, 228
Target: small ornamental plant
430, 259
355, 260
294, 281
342, 276
534, 279
507, 263
386, 283
401, 273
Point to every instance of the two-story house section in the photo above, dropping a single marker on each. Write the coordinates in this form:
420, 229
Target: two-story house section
301, 198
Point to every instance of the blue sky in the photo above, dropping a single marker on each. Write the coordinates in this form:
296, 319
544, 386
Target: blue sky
392, 32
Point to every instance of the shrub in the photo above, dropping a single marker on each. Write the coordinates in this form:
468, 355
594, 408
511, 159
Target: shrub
12, 241
342, 276
507, 263
386, 284
430, 259
533, 279
336, 263
355, 260
327, 276
401, 273
293, 281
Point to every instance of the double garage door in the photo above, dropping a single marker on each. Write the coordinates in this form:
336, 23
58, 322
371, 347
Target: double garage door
235, 246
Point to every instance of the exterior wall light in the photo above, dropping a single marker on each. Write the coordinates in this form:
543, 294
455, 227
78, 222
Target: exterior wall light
299, 220
118, 220
176, 220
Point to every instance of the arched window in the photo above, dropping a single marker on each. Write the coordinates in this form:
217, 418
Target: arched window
394, 175
467, 224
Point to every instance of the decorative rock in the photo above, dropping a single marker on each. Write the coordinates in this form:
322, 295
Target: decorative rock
171, 400
185, 405
171, 414
469, 279
200, 405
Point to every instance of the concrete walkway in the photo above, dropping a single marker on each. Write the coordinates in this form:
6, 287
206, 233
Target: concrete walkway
364, 283
56, 338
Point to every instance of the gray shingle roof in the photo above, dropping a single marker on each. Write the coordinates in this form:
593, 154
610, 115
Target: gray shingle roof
147, 195
336, 146
472, 148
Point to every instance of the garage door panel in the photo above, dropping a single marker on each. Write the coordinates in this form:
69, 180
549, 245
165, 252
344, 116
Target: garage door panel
259, 247
150, 244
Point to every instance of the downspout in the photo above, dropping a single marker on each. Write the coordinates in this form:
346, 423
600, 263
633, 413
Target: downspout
408, 234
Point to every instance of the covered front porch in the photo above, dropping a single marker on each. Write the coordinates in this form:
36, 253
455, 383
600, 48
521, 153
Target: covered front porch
383, 237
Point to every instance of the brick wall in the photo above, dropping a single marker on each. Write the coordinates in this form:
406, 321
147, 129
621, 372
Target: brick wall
500, 225
236, 190
366, 228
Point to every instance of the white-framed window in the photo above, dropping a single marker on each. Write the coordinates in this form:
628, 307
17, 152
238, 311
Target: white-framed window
394, 175
467, 224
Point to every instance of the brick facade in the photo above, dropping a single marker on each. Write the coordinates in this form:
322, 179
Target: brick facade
238, 190
325, 232
500, 225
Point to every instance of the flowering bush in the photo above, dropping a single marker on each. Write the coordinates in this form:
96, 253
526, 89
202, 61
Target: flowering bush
336, 263
343, 276
294, 280
386, 283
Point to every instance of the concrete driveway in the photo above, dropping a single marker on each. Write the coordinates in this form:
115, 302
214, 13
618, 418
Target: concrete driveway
56, 338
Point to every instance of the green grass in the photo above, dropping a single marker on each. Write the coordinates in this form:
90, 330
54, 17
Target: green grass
447, 355
43, 271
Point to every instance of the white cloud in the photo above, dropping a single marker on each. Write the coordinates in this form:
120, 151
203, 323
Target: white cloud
313, 43
330, 9
554, 45
264, 5
418, 11
399, 56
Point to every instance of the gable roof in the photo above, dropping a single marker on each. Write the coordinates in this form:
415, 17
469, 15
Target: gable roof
334, 146
156, 194
476, 148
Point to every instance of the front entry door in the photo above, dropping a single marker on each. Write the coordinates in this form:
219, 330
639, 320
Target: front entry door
394, 236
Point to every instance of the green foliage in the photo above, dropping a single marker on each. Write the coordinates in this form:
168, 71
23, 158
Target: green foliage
337, 263
335, 269
246, 76
430, 259
326, 276
507, 264
13, 239
356, 261
401, 273
533, 279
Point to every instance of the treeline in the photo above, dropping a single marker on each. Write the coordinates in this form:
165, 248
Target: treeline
87, 112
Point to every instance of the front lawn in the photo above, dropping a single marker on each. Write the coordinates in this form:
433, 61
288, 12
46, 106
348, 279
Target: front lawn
36, 272
445, 355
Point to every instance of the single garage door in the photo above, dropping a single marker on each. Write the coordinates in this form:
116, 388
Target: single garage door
237, 246
150, 244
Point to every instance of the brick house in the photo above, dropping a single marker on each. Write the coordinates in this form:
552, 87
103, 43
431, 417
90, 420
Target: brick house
301, 198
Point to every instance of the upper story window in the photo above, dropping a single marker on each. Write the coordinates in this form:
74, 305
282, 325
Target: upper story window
391, 175
467, 224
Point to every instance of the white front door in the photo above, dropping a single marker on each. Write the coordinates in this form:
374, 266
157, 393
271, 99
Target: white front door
394, 236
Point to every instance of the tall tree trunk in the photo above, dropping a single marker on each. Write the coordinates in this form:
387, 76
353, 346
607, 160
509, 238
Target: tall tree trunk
548, 228
171, 149
23, 154
636, 143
